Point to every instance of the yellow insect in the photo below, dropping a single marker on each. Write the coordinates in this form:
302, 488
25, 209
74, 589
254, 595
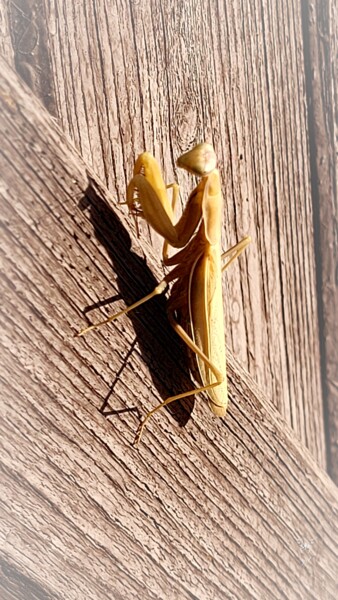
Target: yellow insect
195, 305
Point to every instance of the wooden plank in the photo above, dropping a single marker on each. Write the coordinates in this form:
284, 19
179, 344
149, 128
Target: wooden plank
232, 75
26, 21
6, 46
233, 508
321, 39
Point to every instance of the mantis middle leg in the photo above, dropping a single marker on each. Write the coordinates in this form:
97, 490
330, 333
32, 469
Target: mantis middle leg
235, 251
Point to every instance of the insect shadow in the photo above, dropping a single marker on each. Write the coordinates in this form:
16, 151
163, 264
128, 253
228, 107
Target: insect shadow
161, 349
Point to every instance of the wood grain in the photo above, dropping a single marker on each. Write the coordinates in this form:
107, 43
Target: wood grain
130, 76
232, 508
6, 47
24, 22
321, 37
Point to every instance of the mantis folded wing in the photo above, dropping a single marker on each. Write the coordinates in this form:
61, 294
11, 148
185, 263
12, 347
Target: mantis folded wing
195, 305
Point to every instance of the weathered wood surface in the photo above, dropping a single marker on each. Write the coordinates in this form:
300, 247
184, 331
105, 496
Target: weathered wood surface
6, 46
232, 508
129, 76
321, 51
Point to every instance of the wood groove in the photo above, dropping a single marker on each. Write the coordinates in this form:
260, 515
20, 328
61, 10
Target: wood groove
205, 508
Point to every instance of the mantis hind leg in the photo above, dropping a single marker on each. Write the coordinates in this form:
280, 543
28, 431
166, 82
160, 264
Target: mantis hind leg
232, 253
191, 344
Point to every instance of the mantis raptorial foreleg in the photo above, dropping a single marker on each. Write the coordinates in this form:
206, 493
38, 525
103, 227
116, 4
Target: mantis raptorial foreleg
147, 197
195, 307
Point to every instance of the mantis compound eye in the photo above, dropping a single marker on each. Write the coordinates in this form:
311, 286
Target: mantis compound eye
195, 306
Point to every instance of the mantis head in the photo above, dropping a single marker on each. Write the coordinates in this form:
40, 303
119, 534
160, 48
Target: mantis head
200, 161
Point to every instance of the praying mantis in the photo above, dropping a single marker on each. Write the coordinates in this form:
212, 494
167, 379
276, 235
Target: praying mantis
195, 304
